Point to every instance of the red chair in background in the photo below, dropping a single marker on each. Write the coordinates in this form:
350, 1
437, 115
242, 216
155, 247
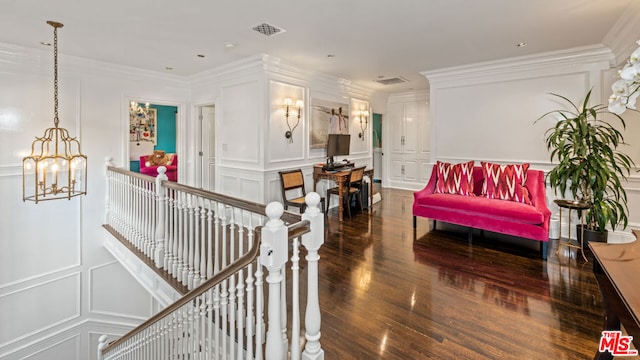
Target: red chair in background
172, 168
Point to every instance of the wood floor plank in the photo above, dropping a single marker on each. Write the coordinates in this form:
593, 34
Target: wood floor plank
387, 292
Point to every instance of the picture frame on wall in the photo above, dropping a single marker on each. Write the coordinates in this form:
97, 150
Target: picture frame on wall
143, 127
326, 117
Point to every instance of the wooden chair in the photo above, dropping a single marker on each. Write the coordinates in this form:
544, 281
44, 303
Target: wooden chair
352, 187
293, 181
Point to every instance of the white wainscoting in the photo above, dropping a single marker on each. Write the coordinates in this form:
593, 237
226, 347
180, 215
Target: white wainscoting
27, 312
102, 300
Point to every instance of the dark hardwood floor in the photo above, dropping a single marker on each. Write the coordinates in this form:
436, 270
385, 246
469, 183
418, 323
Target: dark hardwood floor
387, 292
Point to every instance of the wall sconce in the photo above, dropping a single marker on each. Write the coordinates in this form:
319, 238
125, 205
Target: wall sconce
364, 121
299, 104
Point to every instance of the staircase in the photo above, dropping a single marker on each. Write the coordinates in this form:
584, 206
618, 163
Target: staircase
214, 253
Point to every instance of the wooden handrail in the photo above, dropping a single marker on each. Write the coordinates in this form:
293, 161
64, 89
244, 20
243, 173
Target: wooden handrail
295, 230
287, 217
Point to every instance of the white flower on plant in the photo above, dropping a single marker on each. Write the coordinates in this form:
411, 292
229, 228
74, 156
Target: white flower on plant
625, 91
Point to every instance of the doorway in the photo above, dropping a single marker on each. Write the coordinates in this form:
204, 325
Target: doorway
154, 129
377, 147
207, 153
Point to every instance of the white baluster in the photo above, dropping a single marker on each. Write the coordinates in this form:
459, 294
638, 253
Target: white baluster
312, 242
168, 253
250, 297
160, 225
179, 237
203, 243
273, 255
283, 308
191, 242
107, 195
259, 309
196, 242
185, 239
295, 301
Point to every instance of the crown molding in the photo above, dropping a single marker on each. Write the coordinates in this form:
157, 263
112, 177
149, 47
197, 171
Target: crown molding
39, 61
518, 65
622, 37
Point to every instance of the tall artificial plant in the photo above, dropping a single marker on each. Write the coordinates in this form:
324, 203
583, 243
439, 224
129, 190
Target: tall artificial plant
589, 164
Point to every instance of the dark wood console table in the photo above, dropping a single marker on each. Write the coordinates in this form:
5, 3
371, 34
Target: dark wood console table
616, 268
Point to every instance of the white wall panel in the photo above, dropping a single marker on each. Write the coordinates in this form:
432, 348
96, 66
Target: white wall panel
497, 119
46, 240
112, 289
240, 125
29, 311
65, 349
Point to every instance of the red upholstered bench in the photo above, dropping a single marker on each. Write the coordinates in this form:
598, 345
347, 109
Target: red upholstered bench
172, 170
477, 211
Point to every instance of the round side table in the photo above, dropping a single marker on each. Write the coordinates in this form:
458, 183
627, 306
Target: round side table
578, 206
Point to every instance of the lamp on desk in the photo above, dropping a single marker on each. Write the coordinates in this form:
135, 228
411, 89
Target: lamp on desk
364, 117
299, 105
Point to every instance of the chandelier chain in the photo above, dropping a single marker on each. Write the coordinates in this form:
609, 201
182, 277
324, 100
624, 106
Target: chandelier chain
55, 76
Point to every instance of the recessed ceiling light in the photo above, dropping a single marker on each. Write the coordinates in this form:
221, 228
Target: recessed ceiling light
522, 44
331, 55
229, 45
380, 76
168, 68
200, 55
45, 43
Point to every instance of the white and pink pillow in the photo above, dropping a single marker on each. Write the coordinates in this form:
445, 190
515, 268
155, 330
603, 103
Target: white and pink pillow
505, 182
454, 178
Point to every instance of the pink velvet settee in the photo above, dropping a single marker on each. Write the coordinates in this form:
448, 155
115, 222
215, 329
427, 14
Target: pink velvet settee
500, 216
172, 170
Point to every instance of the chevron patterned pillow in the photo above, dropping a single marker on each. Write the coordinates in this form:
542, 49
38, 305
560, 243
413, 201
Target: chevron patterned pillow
505, 182
454, 179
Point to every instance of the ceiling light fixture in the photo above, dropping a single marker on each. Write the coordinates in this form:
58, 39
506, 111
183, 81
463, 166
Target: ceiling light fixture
521, 44
56, 169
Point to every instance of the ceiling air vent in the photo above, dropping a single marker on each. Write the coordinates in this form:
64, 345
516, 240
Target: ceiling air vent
392, 81
268, 29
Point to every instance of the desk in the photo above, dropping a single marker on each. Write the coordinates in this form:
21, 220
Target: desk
339, 177
616, 267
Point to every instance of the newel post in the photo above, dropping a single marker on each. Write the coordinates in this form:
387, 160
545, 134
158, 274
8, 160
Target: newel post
102, 343
273, 255
161, 199
312, 241
107, 193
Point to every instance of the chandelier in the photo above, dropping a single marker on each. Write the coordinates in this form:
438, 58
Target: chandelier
136, 110
56, 169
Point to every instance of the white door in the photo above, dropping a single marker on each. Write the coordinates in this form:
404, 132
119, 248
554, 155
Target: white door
208, 152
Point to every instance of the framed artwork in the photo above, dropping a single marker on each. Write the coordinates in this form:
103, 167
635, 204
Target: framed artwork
327, 117
143, 127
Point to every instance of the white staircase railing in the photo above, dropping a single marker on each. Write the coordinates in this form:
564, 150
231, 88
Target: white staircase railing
216, 247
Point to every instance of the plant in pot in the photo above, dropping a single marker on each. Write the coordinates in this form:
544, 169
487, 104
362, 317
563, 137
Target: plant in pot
590, 165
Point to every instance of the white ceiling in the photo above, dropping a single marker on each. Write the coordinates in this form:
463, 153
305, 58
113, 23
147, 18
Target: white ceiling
369, 38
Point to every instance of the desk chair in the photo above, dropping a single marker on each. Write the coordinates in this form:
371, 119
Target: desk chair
352, 187
293, 181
